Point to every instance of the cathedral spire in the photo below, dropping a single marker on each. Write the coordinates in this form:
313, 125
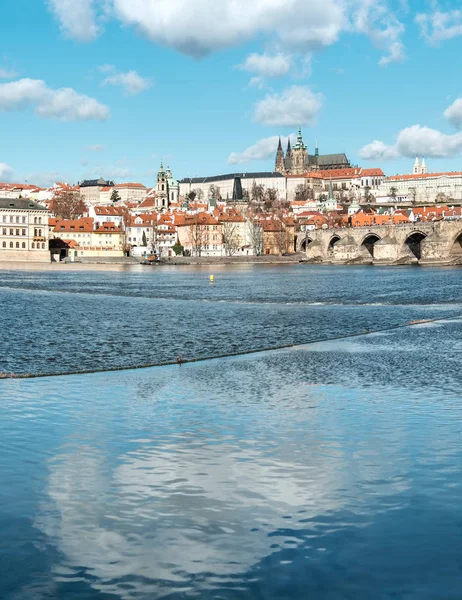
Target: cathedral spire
279, 166
289, 149
316, 151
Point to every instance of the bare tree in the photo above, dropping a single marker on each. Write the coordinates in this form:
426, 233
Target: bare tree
441, 198
271, 195
255, 233
154, 233
367, 194
192, 195
231, 239
196, 234
199, 193
68, 205
413, 194
125, 246
303, 192
257, 193
281, 235
393, 193
214, 192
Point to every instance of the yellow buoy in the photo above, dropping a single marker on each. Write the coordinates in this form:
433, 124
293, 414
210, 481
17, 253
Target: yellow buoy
212, 278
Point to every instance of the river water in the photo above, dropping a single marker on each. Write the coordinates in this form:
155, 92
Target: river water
331, 468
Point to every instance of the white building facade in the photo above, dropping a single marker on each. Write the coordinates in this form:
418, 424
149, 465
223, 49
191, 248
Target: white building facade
23, 231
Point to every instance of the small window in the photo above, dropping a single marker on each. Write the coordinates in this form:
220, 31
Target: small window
24, 232
17, 231
17, 244
4, 244
23, 244
33, 245
43, 246
24, 219
11, 245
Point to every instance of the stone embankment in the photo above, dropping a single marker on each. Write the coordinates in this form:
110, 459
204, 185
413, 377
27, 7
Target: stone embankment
200, 260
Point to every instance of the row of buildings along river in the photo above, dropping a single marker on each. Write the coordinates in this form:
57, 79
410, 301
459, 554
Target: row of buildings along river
237, 214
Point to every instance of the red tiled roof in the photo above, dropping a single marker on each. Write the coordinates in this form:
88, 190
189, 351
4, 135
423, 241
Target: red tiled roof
372, 173
107, 228
424, 176
84, 224
109, 210
202, 218
132, 185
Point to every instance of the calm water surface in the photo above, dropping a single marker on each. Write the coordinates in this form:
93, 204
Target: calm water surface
328, 470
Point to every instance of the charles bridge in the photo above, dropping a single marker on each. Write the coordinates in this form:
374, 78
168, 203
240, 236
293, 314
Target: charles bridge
423, 243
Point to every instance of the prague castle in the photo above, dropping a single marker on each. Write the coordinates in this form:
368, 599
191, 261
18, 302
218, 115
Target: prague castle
297, 160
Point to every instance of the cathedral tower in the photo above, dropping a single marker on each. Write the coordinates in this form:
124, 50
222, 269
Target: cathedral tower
299, 156
279, 166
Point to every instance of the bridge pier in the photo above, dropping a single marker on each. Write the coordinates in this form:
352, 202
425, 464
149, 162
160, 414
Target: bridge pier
387, 250
435, 248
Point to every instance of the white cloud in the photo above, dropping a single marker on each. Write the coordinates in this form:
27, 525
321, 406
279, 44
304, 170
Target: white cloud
439, 26
263, 149
78, 18
7, 74
454, 113
95, 148
64, 104
266, 65
198, 28
195, 29
6, 172
45, 179
416, 141
131, 81
297, 105
377, 150
380, 25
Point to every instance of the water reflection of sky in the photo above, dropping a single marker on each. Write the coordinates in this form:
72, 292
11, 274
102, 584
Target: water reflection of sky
322, 472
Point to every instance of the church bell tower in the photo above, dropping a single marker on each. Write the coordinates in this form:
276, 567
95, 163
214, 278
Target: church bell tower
279, 166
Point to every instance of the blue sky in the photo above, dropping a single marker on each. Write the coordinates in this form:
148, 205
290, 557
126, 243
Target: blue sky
109, 87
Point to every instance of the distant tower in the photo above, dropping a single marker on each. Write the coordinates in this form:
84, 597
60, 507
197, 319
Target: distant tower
288, 161
162, 189
279, 166
299, 156
315, 166
423, 168
417, 167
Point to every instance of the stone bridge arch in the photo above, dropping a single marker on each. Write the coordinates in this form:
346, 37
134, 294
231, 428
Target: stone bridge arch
332, 241
412, 243
455, 248
367, 245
